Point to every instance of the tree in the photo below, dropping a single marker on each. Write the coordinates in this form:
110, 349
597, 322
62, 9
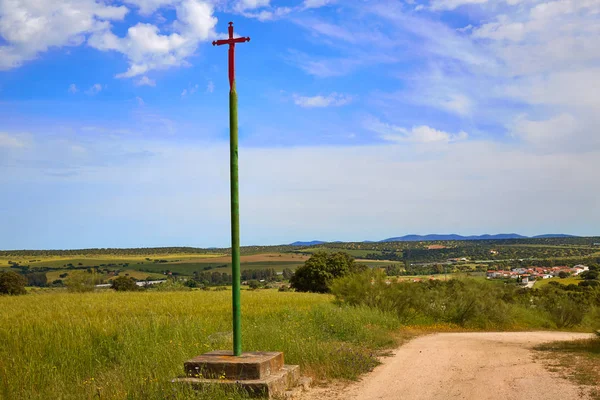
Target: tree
124, 284
37, 279
320, 269
563, 274
590, 275
12, 283
287, 273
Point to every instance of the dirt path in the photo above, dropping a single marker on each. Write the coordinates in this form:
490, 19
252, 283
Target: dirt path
469, 366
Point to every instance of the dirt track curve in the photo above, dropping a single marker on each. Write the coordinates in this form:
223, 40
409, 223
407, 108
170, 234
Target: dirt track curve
467, 366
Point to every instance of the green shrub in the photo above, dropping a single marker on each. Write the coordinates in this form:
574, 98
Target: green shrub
566, 308
12, 283
82, 282
321, 269
463, 302
124, 284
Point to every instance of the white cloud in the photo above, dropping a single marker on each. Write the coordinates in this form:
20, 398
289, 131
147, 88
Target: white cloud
147, 7
316, 3
11, 141
31, 27
94, 89
333, 99
140, 101
145, 81
452, 4
243, 5
73, 88
210, 87
417, 134
148, 49
190, 90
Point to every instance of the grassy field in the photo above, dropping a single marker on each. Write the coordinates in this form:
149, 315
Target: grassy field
148, 266
564, 281
110, 345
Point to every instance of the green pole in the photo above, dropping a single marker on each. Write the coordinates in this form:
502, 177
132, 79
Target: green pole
235, 222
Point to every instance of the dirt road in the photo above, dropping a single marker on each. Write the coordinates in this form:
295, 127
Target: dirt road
469, 366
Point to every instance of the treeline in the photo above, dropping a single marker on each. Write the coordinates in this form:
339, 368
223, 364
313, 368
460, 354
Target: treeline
481, 253
207, 278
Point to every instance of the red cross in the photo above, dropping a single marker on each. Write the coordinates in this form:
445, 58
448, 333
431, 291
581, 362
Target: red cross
231, 42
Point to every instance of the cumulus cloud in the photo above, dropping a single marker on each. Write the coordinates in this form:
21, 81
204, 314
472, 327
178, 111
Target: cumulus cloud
417, 134
30, 27
145, 81
210, 87
94, 89
73, 88
333, 99
190, 90
243, 5
147, 7
452, 4
147, 48
316, 3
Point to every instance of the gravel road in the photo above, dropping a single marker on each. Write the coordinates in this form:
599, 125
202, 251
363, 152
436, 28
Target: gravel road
468, 366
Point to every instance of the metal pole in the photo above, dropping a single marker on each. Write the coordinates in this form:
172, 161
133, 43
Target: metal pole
235, 222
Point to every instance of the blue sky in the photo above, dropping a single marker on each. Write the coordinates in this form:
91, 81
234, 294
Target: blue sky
358, 120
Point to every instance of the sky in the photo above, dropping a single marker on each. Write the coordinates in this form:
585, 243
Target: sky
358, 120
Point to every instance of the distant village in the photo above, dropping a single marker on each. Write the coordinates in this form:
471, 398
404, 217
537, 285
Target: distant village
525, 275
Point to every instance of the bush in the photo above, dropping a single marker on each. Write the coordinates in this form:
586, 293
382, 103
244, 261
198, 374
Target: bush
254, 284
170, 285
124, 284
321, 269
12, 283
566, 308
38, 279
563, 274
590, 275
82, 282
463, 302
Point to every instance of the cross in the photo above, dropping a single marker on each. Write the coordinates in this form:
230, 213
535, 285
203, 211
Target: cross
231, 42
235, 204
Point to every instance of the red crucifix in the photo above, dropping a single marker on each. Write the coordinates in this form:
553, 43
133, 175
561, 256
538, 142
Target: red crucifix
231, 42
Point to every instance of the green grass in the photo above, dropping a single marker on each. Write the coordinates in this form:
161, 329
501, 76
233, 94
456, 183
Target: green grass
564, 281
110, 345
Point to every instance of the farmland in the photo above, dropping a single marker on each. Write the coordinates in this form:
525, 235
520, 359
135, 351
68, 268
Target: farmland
406, 258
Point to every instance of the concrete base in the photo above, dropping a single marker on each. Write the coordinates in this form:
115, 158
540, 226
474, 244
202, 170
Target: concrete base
224, 365
274, 385
261, 374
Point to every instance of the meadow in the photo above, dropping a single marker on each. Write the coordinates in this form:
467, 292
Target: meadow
110, 345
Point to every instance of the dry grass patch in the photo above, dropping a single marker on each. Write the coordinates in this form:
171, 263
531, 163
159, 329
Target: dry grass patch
578, 361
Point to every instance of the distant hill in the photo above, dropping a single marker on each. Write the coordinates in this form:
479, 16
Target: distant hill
453, 236
314, 242
419, 238
551, 235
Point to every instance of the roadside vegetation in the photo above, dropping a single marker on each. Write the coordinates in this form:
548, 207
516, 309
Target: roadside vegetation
578, 361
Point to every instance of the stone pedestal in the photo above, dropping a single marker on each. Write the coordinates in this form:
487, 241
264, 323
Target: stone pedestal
261, 374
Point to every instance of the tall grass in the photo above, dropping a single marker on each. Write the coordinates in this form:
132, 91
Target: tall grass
113, 345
